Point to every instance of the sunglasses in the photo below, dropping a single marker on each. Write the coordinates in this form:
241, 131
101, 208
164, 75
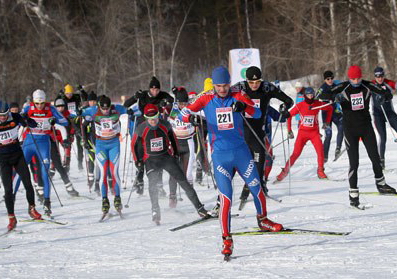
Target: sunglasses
379, 76
42, 103
330, 78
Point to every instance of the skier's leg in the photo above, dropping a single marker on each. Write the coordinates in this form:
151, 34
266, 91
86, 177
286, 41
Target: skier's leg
22, 169
380, 126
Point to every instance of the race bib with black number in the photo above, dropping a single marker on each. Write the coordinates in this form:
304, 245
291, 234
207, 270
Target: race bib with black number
357, 101
224, 118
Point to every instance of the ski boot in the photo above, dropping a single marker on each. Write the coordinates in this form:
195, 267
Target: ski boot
227, 248
354, 197
215, 210
266, 224
386, 189
202, 212
321, 174
47, 207
138, 185
39, 193
156, 216
12, 222
70, 189
105, 205
33, 213
173, 201
283, 174
117, 203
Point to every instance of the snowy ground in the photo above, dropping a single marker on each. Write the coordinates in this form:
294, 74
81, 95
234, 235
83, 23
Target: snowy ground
137, 248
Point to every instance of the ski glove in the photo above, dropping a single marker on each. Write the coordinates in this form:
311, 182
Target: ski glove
238, 106
52, 121
139, 94
326, 126
194, 120
27, 121
130, 112
290, 134
283, 110
139, 164
164, 103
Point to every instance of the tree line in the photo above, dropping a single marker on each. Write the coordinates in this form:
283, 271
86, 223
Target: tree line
114, 47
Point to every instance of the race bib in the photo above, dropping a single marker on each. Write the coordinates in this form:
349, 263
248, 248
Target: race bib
9, 136
224, 118
106, 124
72, 107
42, 126
156, 144
308, 121
357, 101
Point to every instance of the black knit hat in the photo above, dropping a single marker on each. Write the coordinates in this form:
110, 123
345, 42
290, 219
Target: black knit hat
14, 105
154, 83
181, 95
253, 73
104, 101
328, 74
379, 72
92, 96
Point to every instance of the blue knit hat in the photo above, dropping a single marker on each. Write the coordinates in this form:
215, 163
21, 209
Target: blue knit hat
220, 75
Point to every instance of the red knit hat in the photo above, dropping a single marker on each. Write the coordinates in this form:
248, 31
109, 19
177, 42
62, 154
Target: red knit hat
354, 72
150, 110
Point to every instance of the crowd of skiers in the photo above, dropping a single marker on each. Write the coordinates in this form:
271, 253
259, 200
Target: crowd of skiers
172, 132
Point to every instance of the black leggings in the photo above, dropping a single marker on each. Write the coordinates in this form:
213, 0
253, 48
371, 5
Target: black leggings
154, 165
380, 125
16, 161
56, 159
184, 155
352, 138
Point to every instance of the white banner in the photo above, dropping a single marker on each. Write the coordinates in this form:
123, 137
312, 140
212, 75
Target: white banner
241, 59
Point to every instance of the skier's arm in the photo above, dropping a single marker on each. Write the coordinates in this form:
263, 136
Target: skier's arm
129, 102
59, 119
120, 109
250, 108
329, 109
136, 151
292, 112
280, 95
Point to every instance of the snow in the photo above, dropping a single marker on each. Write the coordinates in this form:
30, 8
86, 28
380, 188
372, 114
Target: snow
136, 248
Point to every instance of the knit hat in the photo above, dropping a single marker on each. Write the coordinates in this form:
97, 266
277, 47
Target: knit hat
68, 89
220, 75
328, 74
14, 105
298, 84
309, 90
208, 84
379, 72
354, 72
253, 73
181, 95
154, 83
104, 102
92, 96
151, 111
59, 103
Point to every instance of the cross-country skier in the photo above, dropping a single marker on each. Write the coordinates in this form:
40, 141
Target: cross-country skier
106, 117
11, 157
223, 109
184, 132
37, 142
354, 97
260, 92
383, 111
164, 102
155, 145
308, 131
74, 102
337, 115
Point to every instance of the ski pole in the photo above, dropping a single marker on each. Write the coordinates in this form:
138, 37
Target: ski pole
129, 197
125, 155
289, 167
127, 133
255, 134
388, 121
279, 143
42, 162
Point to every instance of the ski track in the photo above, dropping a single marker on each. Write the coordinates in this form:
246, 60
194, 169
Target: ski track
136, 248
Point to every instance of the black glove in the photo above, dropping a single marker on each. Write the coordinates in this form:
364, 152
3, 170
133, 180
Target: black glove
80, 87
31, 122
194, 120
290, 134
326, 126
66, 143
284, 111
164, 103
130, 112
52, 121
139, 94
139, 164
238, 106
